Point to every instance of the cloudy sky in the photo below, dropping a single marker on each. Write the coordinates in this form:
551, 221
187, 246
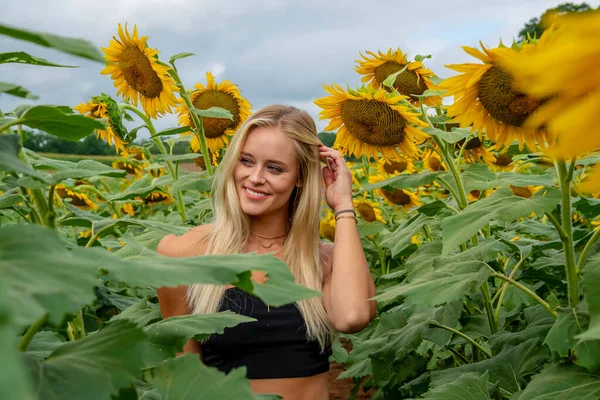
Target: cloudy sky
277, 51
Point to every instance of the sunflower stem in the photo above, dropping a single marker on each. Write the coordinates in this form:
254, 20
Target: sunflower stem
504, 287
9, 124
586, 249
163, 150
489, 310
526, 290
467, 338
95, 235
569, 250
33, 329
38, 196
461, 199
198, 127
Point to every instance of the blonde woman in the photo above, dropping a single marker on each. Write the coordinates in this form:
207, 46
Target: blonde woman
267, 198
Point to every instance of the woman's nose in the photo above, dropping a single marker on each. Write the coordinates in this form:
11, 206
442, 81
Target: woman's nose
257, 176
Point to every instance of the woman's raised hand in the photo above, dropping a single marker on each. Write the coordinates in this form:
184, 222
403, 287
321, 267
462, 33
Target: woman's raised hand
338, 179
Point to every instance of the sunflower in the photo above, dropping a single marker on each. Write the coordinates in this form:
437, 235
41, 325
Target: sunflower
216, 130
327, 226
393, 167
128, 209
77, 199
138, 74
102, 107
371, 120
475, 151
394, 196
591, 183
525, 191
572, 84
473, 195
413, 81
158, 197
368, 210
433, 162
486, 98
135, 152
130, 166
503, 162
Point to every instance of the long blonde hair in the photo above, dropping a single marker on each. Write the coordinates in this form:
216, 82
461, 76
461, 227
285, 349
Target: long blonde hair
231, 227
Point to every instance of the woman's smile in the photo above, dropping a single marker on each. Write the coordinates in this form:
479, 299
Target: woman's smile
254, 194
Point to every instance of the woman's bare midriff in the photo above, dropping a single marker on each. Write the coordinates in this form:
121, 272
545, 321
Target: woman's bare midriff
307, 388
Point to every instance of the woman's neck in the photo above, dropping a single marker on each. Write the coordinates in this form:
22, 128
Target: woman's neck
270, 226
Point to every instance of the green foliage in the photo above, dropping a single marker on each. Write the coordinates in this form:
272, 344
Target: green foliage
536, 26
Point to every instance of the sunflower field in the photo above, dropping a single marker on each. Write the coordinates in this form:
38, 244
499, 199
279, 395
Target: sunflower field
479, 205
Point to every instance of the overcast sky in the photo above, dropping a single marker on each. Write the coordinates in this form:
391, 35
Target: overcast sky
277, 51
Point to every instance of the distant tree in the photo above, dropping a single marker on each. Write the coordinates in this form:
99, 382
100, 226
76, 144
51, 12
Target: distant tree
536, 26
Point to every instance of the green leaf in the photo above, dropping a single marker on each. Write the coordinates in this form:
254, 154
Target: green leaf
193, 181
178, 157
479, 177
446, 283
421, 261
589, 160
213, 112
402, 236
14, 382
77, 47
9, 159
167, 337
561, 382
421, 57
70, 170
140, 188
179, 56
539, 323
359, 363
447, 315
172, 131
404, 181
141, 313
97, 365
8, 200
591, 277
24, 58
561, 338
43, 344
508, 368
433, 92
453, 136
186, 378
470, 386
37, 268
389, 81
17, 91
589, 207
502, 205
146, 268
57, 122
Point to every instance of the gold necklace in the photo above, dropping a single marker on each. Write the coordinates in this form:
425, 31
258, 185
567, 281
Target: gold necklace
265, 237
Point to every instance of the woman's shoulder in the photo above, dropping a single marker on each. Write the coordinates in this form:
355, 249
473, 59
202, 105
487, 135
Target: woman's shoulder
188, 244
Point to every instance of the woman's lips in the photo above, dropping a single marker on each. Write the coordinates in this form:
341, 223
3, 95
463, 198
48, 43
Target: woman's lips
255, 194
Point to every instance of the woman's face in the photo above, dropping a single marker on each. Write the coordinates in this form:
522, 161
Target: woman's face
266, 172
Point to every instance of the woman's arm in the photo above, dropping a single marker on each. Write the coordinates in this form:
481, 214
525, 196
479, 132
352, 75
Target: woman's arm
172, 300
349, 285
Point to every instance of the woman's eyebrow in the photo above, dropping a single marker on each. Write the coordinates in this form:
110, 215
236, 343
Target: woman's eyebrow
243, 153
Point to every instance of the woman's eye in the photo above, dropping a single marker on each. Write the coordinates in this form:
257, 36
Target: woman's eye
244, 160
275, 169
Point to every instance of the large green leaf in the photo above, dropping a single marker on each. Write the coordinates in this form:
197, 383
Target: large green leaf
143, 268
17, 91
213, 112
561, 382
508, 368
591, 277
502, 205
78, 47
455, 135
479, 177
94, 367
359, 362
14, 382
37, 269
186, 378
9, 160
447, 315
167, 337
539, 322
23, 58
43, 344
470, 386
140, 313
73, 170
421, 261
59, 122
445, 283
561, 338
193, 181
140, 188
402, 236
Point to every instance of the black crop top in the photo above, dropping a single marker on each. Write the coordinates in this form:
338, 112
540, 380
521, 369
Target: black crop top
274, 346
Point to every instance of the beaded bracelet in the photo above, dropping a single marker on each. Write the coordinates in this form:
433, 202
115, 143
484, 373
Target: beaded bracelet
345, 211
347, 216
